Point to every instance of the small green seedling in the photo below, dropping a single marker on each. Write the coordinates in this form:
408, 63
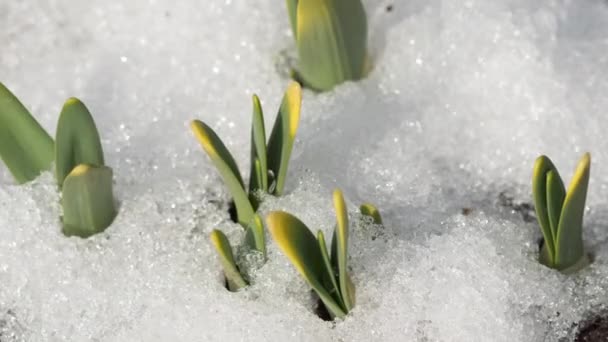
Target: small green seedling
560, 214
327, 275
84, 180
85, 183
331, 38
254, 241
370, 210
268, 172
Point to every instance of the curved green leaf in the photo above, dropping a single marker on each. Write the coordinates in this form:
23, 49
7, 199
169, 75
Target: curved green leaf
302, 249
231, 272
225, 164
569, 247
539, 190
77, 140
283, 135
329, 282
555, 200
87, 200
368, 209
332, 41
25, 147
258, 178
340, 250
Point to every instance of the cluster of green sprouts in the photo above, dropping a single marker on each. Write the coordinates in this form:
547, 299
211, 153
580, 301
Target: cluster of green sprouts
268, 171
327, 274
331, 39
84, 180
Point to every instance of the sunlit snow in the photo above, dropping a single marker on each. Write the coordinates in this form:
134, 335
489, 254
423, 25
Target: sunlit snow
441, 136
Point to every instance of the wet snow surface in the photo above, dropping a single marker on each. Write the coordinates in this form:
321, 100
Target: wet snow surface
442, 136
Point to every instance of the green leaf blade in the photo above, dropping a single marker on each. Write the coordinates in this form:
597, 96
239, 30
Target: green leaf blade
283, 135
539, 190
87, 201
301, 248
25, 147
329, 282
555, 200
231, 272
569, 247
258, 178
341, 249
332, 42
77, 140
225, 164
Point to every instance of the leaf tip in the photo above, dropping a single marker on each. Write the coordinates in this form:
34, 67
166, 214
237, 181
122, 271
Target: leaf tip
370, 210
201, 132
72, 101
339, 203
80, 169
293, 96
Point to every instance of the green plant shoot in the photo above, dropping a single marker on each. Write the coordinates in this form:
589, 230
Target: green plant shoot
85, 182
25, 147
560, 214
327, 275
268, 171
87, 201
331, 38
77, 140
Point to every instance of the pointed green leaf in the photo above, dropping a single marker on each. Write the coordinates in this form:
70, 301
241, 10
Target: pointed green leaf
555, 200
231, 272
225, 164
254, 235
569, 247
332, 42
368, 209
76, 141
25, 147
340, 249
283, 135
87, 200
258, 178
292, 7
539, 190
302, 249
329, 282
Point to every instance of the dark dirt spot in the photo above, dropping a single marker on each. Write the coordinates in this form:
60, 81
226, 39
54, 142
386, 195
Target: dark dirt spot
232, 212
389, 8
594, 330
322, 312
525, 209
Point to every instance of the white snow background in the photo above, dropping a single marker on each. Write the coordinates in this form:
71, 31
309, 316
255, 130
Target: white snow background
464, 95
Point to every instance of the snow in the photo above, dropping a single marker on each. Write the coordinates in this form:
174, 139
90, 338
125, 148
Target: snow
441, 136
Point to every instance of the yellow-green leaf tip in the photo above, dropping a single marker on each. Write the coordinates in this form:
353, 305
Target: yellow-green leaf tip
294, 104
368, 209
200, 131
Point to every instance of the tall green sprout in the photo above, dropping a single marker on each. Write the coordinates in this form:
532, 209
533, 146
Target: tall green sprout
331, 38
